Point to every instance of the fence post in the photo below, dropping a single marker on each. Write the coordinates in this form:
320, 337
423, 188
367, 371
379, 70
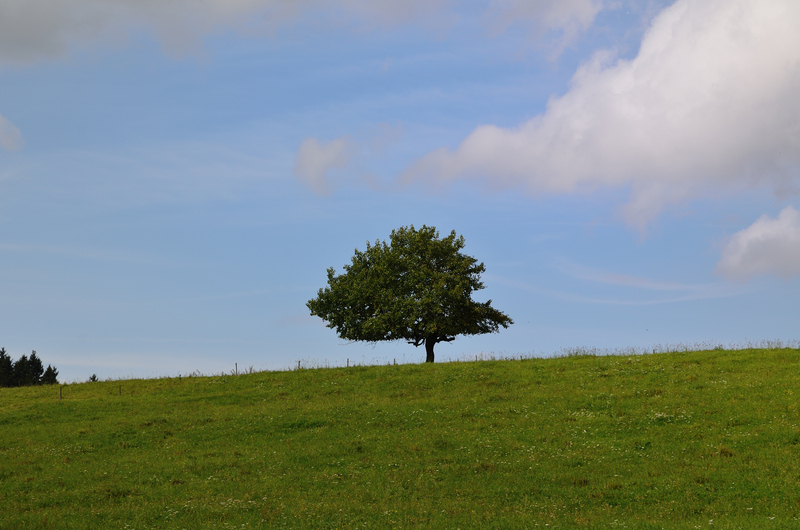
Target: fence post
237, 368
60, 396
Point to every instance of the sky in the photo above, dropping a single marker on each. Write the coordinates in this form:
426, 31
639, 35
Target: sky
176, 177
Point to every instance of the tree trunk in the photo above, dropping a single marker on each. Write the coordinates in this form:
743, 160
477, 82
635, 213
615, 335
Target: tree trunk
430, 342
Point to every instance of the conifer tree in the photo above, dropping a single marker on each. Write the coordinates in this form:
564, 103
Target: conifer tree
26, 371
35, 368
21, 374
6, 368
50, 376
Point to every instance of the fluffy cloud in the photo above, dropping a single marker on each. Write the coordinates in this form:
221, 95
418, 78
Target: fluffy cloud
709, 103
315, 160
768, 246
32, 29
10, 136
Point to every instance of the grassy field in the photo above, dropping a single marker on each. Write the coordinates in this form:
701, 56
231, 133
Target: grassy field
679, 440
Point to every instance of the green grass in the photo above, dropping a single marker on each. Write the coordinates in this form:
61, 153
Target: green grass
677, 440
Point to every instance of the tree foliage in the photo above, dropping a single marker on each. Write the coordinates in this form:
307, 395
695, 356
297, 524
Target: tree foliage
50, 376
35, 369
22, 372
417, 288
6, 368
25, 371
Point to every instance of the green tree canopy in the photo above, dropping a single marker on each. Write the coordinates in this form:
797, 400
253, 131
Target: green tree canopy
35, 369
25, 371
417, 288
50, 376
22, 372
6, 369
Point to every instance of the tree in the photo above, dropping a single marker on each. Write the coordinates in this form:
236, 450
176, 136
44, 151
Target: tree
25, 371
6, 369
35, 369
417, 288
50, 376
22, 372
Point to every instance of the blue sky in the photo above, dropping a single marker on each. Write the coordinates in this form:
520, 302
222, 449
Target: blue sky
175, 178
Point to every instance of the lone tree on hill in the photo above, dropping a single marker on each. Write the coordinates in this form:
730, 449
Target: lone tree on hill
417, 288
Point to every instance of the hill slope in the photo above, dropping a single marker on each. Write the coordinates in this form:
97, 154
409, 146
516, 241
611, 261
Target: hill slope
654, 441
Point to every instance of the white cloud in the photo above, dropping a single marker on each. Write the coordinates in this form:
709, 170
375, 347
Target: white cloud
630, 290
34, 29
31, 29
315, 160
768, 246
10, 136
567, 17
709, 103
625, 280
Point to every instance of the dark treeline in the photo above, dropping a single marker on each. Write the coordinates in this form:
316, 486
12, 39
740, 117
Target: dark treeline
26, 371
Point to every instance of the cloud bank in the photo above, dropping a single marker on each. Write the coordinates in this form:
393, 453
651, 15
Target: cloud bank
10, 136
768, 246
315, 160
34, 29
709, 103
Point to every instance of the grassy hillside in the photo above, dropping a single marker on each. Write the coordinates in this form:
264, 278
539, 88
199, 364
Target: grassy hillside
679, 440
